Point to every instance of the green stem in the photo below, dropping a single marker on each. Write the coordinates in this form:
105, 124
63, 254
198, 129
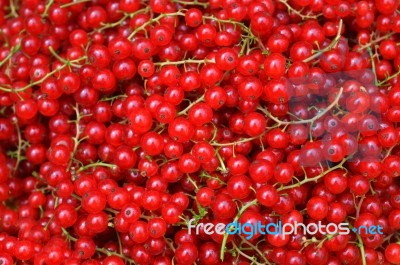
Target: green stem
101, 250
46, 10
329, 47
193, 182
75, 3
226, 235
358, 207
388, 78
373, 65
322, 113
291, 9
182, 112
65, 61
10, 90
224, 170
98, 164
193, 3
67, 235
372, 42
205, 175
255, 248
112, 25
76, 138
13, 50
240, 252
184, 62
148, 23
111, 253
237, 142
240, 24
250, 36
126, 15
19, 147
34, 83
314, 179
13, 11
360, 246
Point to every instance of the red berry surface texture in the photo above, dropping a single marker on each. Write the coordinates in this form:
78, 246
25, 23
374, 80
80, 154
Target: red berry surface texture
205, 132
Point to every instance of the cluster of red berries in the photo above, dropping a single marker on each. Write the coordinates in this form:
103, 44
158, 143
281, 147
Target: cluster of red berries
121, 121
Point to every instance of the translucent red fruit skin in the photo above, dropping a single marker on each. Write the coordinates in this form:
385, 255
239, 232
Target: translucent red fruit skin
122, 121
254, 124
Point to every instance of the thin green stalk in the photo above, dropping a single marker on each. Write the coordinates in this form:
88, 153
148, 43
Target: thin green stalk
226, 235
